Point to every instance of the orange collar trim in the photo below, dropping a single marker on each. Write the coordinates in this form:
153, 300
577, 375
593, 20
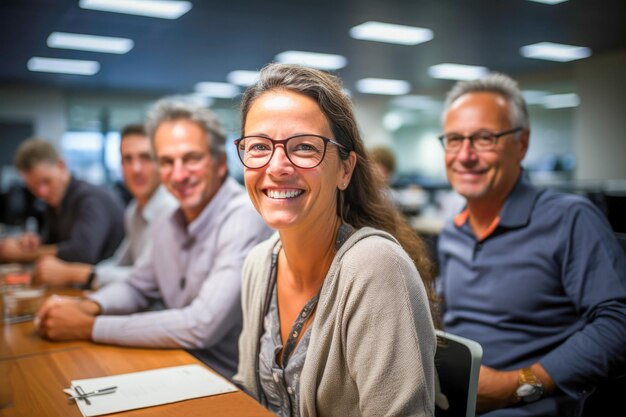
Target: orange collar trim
494, 224
462, 218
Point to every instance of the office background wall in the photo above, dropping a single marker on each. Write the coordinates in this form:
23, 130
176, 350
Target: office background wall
45, 108
600, 125
591, 134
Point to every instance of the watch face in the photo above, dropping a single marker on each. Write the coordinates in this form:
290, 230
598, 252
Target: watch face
529, 393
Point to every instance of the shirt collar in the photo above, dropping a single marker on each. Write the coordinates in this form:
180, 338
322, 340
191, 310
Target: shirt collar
152, 208
201, 223
461, 219
516, 210
71, 185
519, 204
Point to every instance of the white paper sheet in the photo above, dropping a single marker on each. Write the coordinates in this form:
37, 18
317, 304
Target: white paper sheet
150, 388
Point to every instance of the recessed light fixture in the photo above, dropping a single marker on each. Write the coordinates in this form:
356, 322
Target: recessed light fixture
199, 99
550, 2
313, 59
555, 51
383, 86
415, 102
561, 101
391, 33
534, 96
63, 66
243, 78
392, 121
217, 90
93, 43
457, 71
165, 9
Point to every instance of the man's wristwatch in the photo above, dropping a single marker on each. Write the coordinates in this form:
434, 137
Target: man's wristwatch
90, 278
530, 387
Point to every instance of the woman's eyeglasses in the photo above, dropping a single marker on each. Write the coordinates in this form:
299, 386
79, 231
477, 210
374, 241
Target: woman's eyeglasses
303, 151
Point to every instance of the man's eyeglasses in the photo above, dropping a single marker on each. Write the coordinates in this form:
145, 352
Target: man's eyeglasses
303, 151
482, 140
192, 161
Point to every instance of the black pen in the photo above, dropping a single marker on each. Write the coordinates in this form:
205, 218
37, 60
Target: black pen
89, 394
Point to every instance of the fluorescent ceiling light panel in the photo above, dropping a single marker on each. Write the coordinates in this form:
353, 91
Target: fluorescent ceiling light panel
393, 121
551, 2
200, 100
63, 66
93, 43
534, 96
313, 59
561, 101
391, 33
165, 9
217, 90
415, 102
383, 86
457, 71
555, 51
243, 78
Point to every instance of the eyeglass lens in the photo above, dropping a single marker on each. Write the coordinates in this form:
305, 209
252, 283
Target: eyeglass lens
191, 162
481, 140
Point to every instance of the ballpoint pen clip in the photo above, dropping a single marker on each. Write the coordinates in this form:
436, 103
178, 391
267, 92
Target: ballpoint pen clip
82, 395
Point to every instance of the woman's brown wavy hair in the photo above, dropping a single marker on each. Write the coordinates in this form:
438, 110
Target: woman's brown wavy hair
363, 203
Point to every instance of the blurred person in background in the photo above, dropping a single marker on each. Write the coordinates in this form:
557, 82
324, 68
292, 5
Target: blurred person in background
384, 162
194, 264
83, 222
150, 201
535, 276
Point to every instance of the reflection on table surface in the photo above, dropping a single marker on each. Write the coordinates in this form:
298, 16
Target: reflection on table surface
21, 339
33, 373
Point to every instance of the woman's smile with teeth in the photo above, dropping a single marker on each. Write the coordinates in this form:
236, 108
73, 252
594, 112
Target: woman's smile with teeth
283, 193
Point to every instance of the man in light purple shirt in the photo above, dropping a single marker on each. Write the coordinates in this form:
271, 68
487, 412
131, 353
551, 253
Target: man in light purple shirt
194, 265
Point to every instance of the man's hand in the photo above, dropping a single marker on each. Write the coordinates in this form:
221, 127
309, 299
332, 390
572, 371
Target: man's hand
496, 389
29, 241
53, 271
25, 248
11, 249
64, 318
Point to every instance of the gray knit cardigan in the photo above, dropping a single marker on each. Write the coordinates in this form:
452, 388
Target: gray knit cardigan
372, 343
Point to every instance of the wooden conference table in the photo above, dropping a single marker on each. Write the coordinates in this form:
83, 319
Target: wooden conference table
33, 373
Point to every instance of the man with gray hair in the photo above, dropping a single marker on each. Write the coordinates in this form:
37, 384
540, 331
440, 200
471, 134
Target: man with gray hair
535, 276
194, 265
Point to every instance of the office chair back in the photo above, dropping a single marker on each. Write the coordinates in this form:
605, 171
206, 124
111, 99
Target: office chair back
615, 209
621, 238
457, 362
609, 394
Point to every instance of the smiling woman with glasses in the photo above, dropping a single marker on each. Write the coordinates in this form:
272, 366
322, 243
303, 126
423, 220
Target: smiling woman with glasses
337, 318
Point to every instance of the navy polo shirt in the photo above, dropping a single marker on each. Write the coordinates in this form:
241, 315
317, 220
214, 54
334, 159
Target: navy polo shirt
546, 283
